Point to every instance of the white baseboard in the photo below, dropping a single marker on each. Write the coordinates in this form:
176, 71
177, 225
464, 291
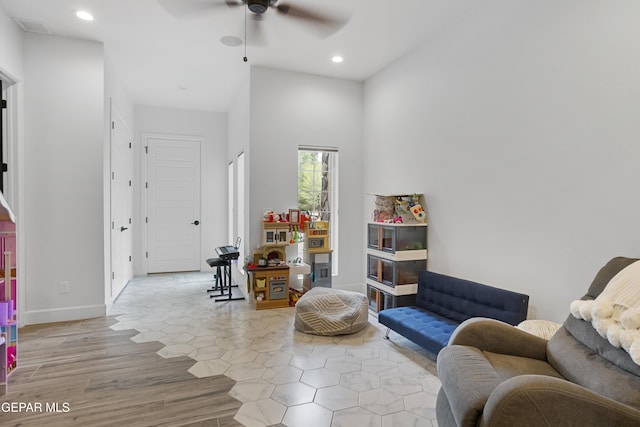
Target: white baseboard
34, 317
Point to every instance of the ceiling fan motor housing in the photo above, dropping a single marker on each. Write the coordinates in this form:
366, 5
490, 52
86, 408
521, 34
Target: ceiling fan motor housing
259, 6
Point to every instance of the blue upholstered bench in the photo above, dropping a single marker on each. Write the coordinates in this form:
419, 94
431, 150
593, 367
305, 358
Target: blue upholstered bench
443, 302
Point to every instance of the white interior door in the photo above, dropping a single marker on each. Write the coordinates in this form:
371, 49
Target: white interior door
121, 204
173, 204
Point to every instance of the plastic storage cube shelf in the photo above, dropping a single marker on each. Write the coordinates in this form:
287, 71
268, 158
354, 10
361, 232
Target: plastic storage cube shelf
396, 253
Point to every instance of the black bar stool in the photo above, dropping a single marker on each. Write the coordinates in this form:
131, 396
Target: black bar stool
219, 284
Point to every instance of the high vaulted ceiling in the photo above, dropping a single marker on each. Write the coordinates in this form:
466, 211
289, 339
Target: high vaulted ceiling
165, 57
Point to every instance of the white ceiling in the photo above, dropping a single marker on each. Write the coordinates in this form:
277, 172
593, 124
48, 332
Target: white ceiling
178, 61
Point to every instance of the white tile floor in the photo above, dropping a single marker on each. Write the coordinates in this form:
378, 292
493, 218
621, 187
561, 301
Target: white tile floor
283, 376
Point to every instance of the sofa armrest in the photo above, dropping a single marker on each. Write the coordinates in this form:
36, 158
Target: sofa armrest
499, 337
552, 401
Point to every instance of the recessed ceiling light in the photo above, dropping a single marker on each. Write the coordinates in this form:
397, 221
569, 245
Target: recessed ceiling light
337, 59
84, 15
232, 41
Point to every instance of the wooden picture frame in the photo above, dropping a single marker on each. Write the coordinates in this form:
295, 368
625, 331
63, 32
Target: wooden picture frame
294, 216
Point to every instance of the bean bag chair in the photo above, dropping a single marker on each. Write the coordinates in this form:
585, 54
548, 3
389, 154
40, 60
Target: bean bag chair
326, 311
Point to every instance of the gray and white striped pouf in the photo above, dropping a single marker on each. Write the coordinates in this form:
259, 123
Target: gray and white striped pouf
326, 311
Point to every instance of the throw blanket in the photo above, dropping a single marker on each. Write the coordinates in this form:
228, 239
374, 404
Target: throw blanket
615, 313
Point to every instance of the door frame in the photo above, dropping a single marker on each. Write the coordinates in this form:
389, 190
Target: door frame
14, 191
115, 116
145, 136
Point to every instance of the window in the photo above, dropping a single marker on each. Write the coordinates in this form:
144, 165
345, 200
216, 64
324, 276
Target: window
318, 190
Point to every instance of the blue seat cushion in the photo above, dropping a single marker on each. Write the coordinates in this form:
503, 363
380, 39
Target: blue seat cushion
427, 329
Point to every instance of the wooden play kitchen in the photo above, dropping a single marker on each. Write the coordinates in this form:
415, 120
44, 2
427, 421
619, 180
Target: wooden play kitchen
268, 274
269, 286
268, 278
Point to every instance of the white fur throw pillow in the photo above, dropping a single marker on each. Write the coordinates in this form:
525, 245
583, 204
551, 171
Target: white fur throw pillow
615, 313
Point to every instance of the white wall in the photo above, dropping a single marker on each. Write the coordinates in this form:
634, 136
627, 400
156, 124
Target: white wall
520, 124
239, 130
63, 179
290, 109
238, 123
238, 141
10, 46
213, 128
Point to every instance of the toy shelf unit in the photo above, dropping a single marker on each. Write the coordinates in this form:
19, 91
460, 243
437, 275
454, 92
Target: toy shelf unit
381, 299
396, 253
404, 241
269, 287
8, 295
394, 273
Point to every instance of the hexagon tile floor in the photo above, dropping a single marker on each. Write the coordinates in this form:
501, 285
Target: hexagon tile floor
283, 377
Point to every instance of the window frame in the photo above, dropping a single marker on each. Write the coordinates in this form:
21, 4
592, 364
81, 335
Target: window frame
332, 189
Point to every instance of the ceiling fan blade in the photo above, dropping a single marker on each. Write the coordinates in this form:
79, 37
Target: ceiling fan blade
234, 3
325, 23
185, 8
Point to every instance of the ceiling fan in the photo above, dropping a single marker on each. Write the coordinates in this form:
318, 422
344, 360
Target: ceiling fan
323, 23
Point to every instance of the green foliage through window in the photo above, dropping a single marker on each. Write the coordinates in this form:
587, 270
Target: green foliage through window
314, 183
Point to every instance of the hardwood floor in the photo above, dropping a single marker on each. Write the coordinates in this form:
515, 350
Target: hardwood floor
84, 373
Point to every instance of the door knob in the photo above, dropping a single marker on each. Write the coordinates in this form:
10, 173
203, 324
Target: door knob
196, 222
123, 228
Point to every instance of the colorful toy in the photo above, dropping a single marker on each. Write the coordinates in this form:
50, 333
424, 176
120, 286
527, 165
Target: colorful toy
418, 212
